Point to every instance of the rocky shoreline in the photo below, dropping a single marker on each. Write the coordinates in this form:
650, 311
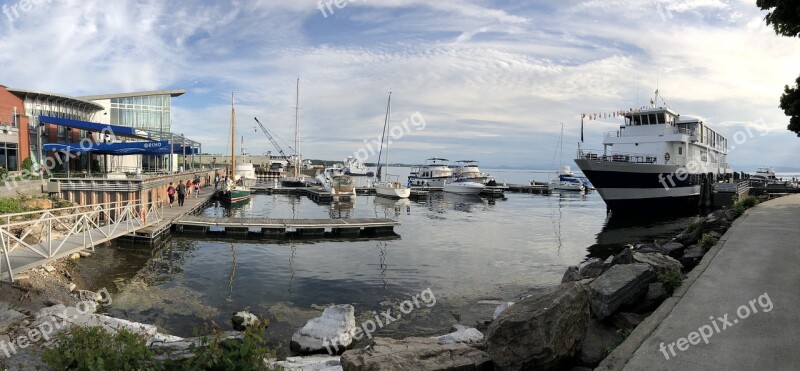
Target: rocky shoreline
576, 324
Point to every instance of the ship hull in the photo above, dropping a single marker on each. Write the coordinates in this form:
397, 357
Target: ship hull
630, 186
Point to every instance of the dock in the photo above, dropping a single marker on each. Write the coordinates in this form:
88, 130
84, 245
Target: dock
157, 231
527, 188
282, 228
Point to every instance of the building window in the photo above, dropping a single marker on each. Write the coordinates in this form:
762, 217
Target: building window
8, 156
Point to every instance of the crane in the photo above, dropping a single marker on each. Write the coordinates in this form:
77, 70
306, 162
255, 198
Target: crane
271, 139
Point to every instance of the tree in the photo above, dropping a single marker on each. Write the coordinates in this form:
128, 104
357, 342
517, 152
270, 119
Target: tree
784, 16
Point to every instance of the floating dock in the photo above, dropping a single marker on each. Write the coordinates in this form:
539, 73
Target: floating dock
527, 188
282, 228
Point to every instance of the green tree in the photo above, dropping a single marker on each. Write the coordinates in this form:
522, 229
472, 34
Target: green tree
784, 16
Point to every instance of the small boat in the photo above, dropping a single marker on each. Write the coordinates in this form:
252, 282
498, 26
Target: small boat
567, 181
764, 174
354, 167
384, 187
468, 169
434, 173
464, 186
235, 190
247, 173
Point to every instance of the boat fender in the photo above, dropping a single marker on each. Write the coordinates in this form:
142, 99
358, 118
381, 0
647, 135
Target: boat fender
666, 156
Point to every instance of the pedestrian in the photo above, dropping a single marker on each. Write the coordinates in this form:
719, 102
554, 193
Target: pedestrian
181, 193
196, 185
216, 180
189, 187
171, 194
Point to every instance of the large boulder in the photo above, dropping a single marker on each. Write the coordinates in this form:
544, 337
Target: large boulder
620, 285
415, 354
672, 248
599, 339
691, 256
716, 224
540, 331
9, 317
623, 257
332, 332
500, 308
571, 274
591, 268
627, 321
37, 204
461, 334
317, 362
660, 263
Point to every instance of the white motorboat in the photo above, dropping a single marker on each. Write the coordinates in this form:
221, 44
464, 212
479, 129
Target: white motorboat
468, 169
567, 181
245, 173
385, 187
354, 167
764, 174
434, 173
464, 186
341, 188
655, 160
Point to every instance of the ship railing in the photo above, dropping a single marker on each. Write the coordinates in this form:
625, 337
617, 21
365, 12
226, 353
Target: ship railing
600, 156
614, 133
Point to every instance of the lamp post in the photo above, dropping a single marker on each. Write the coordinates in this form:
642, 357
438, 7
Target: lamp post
40, 161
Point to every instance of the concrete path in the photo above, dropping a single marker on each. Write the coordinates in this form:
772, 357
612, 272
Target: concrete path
751, 289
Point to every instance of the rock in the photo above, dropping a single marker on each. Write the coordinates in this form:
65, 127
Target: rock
687, 238
37, 204
49, 268
75, 256
415, 354
620, 285
715, 234
542, 330
72, 287
624, 257
656, 292
692, 256
716, 224
332, 332
725, 214
85, 254
672, 248
242, 320
52, 302
500, 308
461, 334
591, 268
9, 318
600, 338
624, 320
309, 363
572, 274
660, 263
646, 248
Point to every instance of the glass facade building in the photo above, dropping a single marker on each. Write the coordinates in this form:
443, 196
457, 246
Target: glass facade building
148, 112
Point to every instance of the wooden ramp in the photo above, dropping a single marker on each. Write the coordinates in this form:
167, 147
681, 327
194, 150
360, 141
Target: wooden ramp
270, 227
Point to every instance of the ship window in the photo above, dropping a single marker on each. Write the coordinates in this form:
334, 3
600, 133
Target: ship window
661, 118
652, 117
637, 120
680, 150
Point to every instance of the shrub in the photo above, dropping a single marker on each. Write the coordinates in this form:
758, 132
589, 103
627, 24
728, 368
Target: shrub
94, 348
750, 201
27, 164
671, 280
708, 242
10, 206
216, 353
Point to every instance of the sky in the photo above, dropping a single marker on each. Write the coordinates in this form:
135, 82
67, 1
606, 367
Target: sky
472, 79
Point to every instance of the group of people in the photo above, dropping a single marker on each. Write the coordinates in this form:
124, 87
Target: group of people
183, 190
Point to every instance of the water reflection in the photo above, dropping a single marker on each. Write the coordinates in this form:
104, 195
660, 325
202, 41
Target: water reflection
391, 208
341, 210
622, 229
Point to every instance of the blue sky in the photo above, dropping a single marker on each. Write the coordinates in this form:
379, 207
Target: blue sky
492, 79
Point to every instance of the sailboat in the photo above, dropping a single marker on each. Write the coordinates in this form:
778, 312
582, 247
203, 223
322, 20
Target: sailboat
387, 188
566, 180
235, 189
296, 179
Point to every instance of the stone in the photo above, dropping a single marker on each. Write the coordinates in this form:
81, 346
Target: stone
672, 248
75, 256
500, 308
623, 257
52, 302
646, 248
49, 268
38, 204
85, 254
461, 334
600, 338
691, 256
660, 263
332, 332
656, 292
309, 363
715, 234
591, 268
242, 320
9, 318
571, 274
687, 237
624, 320
72, 287
716, 224
620, 285
540, 331
415, 354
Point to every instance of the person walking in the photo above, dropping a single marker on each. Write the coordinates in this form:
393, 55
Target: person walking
189, 187
171, 194
181, 193
216, 180
196, 185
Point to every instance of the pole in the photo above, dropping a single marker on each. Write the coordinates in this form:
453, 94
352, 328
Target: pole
39, 145
171, 168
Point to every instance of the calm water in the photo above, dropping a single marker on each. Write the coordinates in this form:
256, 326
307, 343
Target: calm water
471, 252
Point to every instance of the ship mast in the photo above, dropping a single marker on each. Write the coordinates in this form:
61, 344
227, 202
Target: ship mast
297, 132
233, 138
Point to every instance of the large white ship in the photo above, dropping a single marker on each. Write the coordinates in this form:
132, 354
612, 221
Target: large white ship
653, 161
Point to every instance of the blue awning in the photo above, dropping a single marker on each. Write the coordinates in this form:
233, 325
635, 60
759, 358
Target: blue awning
121, 149
120, 131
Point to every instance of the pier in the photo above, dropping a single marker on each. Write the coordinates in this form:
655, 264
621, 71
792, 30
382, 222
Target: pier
281, 228
527, 188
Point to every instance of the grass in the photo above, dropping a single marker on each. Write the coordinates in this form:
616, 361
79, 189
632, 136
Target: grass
708, 241
740, 206
671, 280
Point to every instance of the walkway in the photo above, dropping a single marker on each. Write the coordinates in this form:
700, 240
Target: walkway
170, 214
750, 285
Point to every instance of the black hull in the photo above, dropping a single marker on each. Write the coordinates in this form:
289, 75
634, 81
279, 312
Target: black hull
368, 174
293, 184
676, 205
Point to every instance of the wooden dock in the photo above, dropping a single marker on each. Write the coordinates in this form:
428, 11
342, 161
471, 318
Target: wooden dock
527, 188
157, 231
282, 228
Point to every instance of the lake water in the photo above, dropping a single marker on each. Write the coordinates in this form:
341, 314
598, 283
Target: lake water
471, 252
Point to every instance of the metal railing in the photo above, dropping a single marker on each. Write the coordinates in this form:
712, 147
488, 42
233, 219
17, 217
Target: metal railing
637, 158
56, 226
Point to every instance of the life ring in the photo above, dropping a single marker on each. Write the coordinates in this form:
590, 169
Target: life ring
666, 156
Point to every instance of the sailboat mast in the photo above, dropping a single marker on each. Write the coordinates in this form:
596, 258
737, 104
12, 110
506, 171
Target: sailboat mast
388, 139
233, 137
297, 132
